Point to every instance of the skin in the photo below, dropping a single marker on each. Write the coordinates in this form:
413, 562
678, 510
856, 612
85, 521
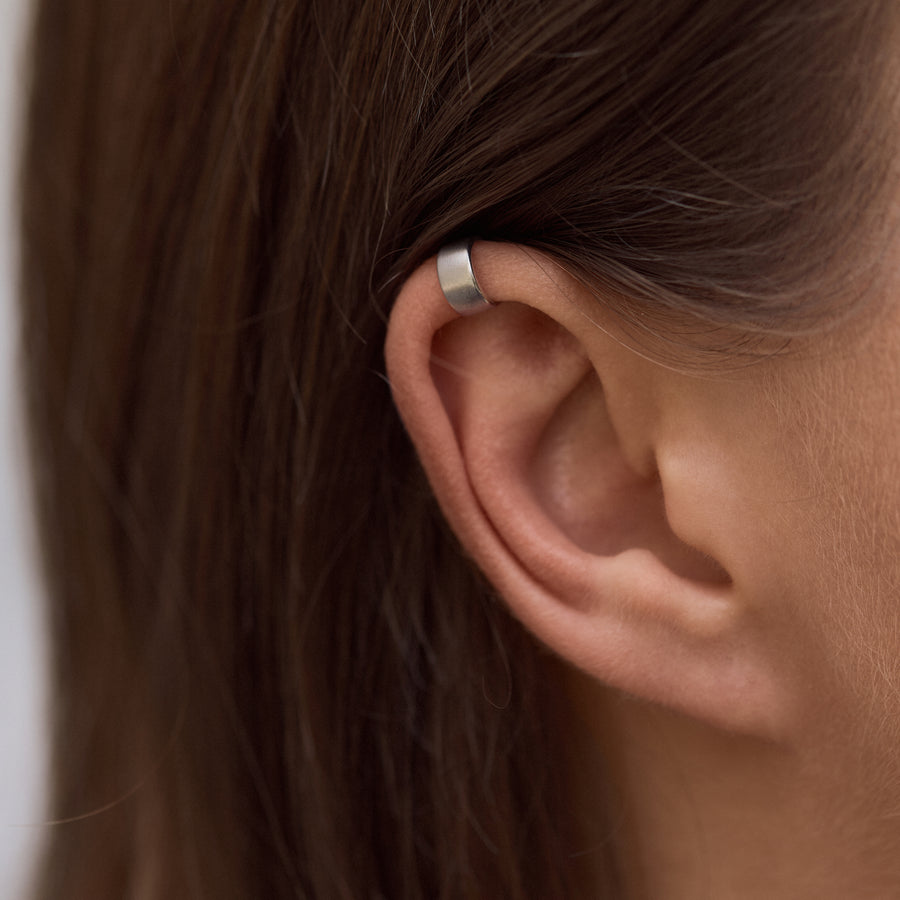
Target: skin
808, 528
712, 556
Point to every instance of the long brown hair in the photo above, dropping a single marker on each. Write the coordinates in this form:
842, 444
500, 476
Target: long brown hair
276, 674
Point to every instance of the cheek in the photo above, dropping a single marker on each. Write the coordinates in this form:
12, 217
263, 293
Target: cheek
841, 455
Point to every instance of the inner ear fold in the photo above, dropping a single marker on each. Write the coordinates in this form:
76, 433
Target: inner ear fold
515, 355
530, 413
581, 477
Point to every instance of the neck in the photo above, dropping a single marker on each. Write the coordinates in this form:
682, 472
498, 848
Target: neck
701, 813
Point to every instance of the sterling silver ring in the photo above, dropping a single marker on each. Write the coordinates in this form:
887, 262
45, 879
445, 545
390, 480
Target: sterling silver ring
457, 278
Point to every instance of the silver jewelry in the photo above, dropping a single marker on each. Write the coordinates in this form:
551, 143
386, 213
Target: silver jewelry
457, 278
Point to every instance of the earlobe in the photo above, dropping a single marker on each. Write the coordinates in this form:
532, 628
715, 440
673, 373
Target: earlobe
550, 487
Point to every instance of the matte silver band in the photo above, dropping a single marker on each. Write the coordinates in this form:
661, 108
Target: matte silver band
457, 278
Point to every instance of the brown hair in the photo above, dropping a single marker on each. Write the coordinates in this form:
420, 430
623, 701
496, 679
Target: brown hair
276, 675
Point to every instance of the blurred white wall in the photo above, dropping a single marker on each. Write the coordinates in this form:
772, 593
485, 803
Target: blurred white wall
21, 672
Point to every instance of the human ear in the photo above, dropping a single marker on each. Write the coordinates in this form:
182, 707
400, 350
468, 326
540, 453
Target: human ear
537, 430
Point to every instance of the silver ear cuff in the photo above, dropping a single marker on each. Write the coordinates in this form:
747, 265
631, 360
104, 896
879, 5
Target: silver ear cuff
457, 278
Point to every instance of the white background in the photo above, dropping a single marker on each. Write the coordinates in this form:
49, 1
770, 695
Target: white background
22, 739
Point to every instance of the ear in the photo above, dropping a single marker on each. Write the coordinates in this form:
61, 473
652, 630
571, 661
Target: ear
536, 428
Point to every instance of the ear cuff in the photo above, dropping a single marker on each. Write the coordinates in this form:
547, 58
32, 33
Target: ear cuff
457, 278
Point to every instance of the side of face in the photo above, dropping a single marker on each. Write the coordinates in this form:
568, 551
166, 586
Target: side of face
833, 523
802, 459
722, 541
